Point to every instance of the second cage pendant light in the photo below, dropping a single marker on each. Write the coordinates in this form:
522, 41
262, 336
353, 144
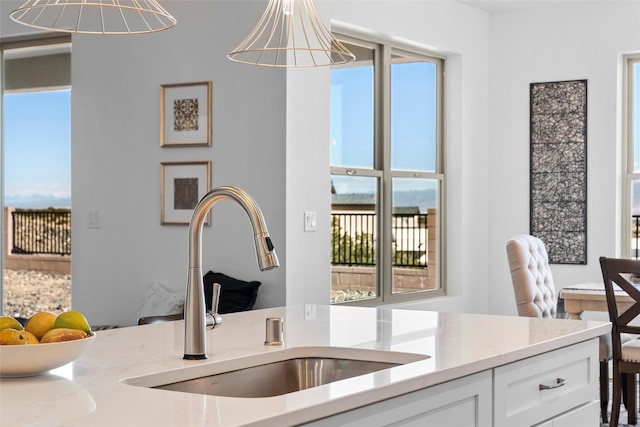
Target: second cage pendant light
291, 34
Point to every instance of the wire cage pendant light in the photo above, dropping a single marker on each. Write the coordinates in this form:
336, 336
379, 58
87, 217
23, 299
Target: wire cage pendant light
94, 16
291, 34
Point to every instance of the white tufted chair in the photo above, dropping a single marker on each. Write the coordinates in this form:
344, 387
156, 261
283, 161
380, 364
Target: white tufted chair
536, 296
531, 277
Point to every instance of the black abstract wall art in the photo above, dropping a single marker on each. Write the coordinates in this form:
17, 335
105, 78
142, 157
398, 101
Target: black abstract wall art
558, 133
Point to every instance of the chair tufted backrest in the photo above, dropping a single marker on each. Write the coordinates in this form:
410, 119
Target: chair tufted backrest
531, 276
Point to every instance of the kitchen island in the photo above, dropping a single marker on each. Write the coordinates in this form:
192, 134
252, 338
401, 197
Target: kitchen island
467, 353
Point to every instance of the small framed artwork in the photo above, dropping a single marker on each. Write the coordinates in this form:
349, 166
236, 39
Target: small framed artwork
183, 184
185, 115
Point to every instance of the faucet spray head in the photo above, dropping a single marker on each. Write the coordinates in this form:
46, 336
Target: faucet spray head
265, 251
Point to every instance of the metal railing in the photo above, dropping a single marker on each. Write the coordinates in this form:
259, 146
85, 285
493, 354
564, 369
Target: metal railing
41, 232
353, 238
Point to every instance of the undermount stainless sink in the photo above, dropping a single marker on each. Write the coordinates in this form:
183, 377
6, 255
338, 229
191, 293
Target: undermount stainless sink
278, 378
273, 374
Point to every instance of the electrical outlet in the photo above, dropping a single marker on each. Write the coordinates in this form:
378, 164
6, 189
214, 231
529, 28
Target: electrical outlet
93, 219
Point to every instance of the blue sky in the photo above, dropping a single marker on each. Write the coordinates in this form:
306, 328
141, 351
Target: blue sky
413, 113
413, 118
37, 146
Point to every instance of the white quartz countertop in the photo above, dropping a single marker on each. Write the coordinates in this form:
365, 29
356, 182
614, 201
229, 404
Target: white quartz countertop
91, 391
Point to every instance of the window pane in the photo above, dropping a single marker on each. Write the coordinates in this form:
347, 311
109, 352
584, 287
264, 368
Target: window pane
413, 114
352, 112
635, 218
413, 226
37, 169
636, 117
353, 238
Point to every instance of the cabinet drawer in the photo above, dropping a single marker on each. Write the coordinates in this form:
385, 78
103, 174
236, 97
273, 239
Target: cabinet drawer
587, 415
518, 398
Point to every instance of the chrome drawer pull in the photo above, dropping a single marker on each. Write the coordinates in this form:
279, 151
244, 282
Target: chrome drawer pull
559, 383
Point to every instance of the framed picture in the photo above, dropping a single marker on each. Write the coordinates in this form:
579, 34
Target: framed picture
558, 181
185, 115
183, 184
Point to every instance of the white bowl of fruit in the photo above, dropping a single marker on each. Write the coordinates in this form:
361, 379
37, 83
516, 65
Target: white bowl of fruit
47, 341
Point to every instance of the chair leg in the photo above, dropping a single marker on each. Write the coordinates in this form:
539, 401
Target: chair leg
604, 390
632, 409
617, 391
625, 398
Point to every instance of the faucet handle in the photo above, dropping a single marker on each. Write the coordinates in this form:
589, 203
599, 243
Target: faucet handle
213, 318
215, 297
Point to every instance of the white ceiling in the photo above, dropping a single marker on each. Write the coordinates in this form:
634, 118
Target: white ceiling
507, 5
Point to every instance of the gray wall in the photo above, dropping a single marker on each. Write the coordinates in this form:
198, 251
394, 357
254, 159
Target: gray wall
116, 159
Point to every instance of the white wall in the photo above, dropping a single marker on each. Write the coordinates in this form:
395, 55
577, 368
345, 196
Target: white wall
308, 185
577, 41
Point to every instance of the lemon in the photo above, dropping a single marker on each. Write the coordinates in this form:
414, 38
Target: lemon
11, 336
73, 320
40, 323
7, 322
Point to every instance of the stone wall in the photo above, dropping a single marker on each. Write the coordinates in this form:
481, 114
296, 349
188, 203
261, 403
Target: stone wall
53, 264
363, 279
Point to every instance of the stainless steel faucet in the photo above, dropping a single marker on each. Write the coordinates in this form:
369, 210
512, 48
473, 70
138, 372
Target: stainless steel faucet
196, 319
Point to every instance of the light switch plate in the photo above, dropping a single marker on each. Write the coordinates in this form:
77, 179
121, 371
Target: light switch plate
310, 221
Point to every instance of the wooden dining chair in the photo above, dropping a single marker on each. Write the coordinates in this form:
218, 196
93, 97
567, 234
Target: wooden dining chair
620, 274
536, 296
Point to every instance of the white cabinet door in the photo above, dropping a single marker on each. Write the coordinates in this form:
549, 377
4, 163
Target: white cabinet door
542, 387
463, 402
